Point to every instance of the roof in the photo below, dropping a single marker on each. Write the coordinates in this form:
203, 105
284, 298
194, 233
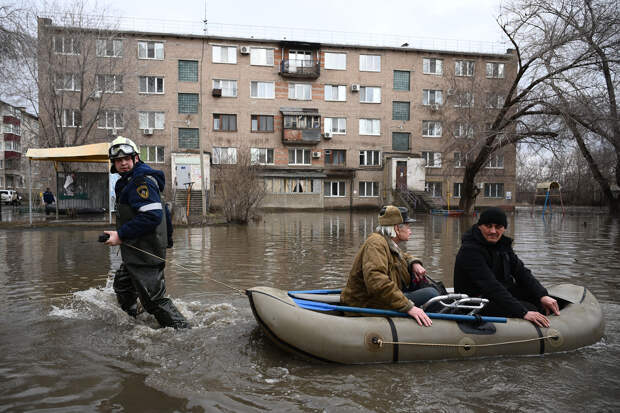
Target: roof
96, 152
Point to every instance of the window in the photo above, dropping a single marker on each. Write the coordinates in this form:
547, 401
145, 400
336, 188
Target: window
495, 101
401, 80
370, 127
71, 118
496, 161
335, 157
261, 156
464, 100
188, 102
110, 119
431, 128
299, 156
188, 70
400, 110
336, 92
337, 126
188, 138
66, 45
152, 154
151, 84
223, 155
262, 123
433, 188
228, 87
433, 159
334, 188
262, 90
68, 81
456, 189
151, 120
432, 66
400, 141
302, 122
289, 185
369, 189
370, 94
370, 63
260, 56
225, 54
151, 50
494, 190
495, 70
299, 91
223, 122
109, 48
109, 83
336, 61
10, 128
460, 159
299, 58
463, 130
432, 97
369, 158
464, 68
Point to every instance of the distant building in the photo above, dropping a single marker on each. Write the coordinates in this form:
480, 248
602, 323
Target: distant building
334, 125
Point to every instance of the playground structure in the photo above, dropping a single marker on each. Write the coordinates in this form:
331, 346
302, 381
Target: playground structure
548, 191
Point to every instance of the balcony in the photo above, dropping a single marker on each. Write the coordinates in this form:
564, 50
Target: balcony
301, 126
300, 68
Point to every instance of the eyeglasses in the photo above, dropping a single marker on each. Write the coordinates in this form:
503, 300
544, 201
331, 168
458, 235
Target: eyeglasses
124, 148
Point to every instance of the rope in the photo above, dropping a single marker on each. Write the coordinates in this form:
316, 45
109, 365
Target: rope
187, 269
381, 342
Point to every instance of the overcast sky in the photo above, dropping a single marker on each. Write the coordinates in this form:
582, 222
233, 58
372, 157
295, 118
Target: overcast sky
444, 19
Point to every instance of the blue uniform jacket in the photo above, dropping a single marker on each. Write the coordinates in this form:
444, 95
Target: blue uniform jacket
143, 195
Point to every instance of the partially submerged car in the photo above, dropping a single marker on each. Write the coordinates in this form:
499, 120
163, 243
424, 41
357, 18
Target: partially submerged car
10, 196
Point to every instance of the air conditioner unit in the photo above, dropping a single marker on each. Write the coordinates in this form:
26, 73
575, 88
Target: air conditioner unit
328, 152
97, 94
148, 131
244, 50
316, 154
355, 88
451, 92
328, 135
216, 92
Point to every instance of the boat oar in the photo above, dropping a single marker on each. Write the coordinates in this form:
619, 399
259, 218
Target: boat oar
319, 306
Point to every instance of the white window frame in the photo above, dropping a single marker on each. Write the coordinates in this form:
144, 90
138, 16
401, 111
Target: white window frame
70, 118
464, 99
370, 127
337, 126
299, 91
157, 47
230, 57
430, 63
113, 116
261, 56
70, 82
116, 81
102, 48
370, 94
146, 82
303, 153
460, 159
151, 120
260, 156
433, 159
228, 87
374, 189
370, 63
463, 130
158, 152
258, 87
335, 61
432, 129
69, 45
495, 70
491, 190
432, 97
464, 68
223, 155
337, 189
496, 161
335, 93
495, 101
370, 157
456, 193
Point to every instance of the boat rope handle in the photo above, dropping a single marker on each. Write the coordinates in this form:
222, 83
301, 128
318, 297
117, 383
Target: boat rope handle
187, 269
381, 342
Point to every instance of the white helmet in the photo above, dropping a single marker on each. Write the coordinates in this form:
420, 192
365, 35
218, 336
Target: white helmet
122, 146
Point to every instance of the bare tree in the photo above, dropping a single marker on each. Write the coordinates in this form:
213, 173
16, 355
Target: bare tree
238, 186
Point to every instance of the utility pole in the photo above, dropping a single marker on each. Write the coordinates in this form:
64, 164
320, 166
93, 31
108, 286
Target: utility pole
200, 135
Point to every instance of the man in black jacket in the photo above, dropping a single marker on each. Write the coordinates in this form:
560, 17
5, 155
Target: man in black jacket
486, 266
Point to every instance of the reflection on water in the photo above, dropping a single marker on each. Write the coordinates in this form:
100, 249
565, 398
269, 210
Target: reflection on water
67, 346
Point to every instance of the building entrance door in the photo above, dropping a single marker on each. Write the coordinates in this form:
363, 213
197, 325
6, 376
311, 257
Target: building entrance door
401, 175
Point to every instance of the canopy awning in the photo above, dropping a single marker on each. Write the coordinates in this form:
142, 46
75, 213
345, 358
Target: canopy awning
96, 152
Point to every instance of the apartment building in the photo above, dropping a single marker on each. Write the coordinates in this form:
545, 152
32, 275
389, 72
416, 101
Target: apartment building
334, 126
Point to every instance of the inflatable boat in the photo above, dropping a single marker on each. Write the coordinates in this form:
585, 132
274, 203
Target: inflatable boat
313, 324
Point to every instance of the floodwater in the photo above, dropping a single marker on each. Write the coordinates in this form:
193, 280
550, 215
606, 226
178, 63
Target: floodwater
67, 347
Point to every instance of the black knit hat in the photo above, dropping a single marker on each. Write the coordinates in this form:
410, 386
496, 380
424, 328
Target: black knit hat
493, 215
